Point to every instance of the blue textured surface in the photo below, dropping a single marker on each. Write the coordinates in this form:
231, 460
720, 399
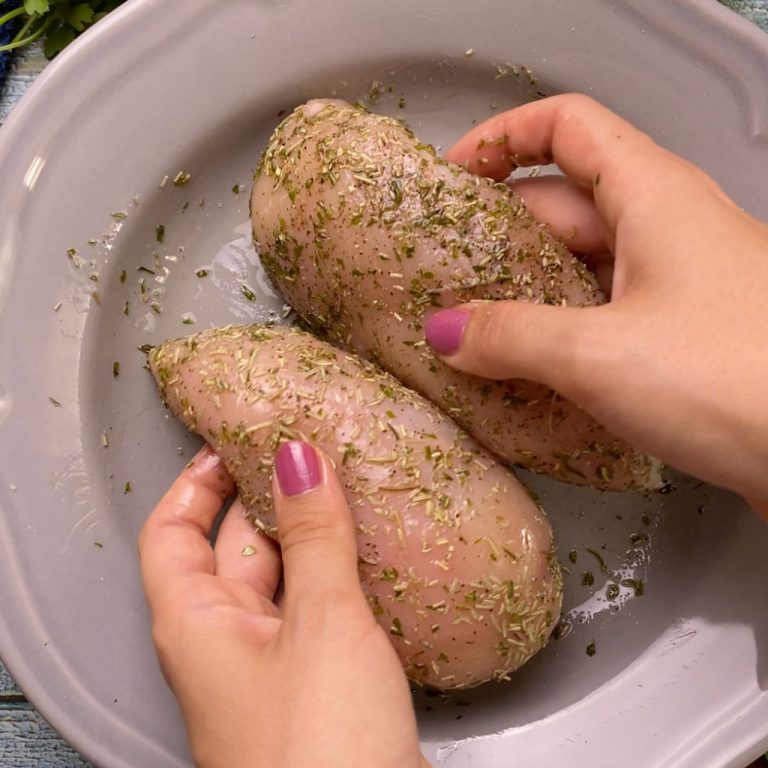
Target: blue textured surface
7, 31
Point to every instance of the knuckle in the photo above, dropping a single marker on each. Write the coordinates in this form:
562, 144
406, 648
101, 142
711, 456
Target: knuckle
495, 324
500, 331
579, 102
308, 520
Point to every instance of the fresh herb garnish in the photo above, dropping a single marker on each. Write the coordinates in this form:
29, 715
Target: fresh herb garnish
58, 21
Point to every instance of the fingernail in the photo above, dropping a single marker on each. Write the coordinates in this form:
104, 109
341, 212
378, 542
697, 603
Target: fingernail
297, 468
444, 330
203, 455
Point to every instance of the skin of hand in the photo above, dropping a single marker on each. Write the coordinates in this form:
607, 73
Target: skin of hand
677, 361
309, 681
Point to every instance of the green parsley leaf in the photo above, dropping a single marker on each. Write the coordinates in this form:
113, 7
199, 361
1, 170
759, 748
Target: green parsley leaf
58, 22
79, 16
36, 7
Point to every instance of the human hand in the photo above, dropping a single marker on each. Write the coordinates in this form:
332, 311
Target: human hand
308, 681
677, 361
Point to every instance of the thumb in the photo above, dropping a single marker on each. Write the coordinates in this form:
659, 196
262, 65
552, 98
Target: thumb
501, 340
315, 526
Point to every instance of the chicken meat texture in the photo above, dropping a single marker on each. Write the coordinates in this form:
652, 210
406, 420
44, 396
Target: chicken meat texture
364, 230
455, 556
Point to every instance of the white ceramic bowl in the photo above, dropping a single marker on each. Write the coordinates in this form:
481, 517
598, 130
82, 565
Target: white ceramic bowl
680, 674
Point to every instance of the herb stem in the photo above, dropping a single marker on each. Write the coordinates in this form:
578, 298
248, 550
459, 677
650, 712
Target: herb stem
16, 43
28, 24
12, 15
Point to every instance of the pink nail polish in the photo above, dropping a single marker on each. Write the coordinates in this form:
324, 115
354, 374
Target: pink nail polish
444, 330
297, 468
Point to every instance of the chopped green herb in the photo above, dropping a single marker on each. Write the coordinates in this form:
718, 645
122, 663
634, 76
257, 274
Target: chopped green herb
349, 452
587, 579
98, 545
563, 629
612, 591
202, 272
119, 215
401, 102
127, 488
374, 92
591, 649
160, 233
396, 628
605, 473
145, 348
123, 276
637, 585
248, 293
104, 440
237, 189
55, 403
116, 368
389, 574
573, 555
599, 558
181, 179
